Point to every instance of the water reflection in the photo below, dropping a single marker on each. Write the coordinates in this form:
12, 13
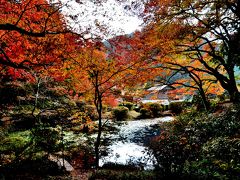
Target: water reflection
129, 145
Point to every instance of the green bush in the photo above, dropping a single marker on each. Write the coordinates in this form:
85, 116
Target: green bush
14, 141
150, 110
47, 138
120, 113
176, 107
136, 108
198, 102
221, 97
219, 159
169, 153
200, 145
145, 113
156, 109
14, 146
165, 107
129, 105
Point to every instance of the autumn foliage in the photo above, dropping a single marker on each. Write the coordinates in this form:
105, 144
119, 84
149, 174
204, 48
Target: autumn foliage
34, 37
201, 31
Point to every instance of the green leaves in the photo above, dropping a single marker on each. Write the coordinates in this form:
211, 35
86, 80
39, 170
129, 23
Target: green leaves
198, 145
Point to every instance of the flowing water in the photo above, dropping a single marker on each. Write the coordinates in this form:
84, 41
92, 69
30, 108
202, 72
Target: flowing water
128, 146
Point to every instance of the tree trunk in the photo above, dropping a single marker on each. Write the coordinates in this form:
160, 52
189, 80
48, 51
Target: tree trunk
232, 88
234, 95
98, 140
206, 103
229, 84
97, 143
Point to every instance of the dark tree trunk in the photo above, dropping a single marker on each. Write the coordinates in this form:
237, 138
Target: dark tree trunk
234, 94
98, 104
205, 101
232, 88
98, 140
230, 84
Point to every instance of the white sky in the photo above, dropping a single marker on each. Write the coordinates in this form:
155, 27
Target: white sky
115, 18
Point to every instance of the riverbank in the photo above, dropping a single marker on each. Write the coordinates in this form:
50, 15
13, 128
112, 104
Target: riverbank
125, 147
137, 149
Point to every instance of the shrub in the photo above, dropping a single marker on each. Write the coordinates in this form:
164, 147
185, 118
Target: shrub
169, 152
145, 113
200, 145
32, 169
136, 108
105, 108
221, 97
120, 113
81, 105
176, 107
47, 138
165, 107
55, 92
90, 111
150, 110
10, 91
219, 159
198, 102
14, 142
129, 105
156, 109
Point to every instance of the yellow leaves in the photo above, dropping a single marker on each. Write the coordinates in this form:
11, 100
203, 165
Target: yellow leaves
79, 117
82, 120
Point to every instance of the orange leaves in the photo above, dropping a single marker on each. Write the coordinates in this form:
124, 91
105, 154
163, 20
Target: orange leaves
110, 100
31, 15
106, 71
22, 48
130, 51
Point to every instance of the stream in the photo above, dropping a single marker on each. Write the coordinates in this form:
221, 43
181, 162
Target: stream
128, 146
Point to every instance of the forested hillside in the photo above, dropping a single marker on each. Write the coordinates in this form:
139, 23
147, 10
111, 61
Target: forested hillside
72, 88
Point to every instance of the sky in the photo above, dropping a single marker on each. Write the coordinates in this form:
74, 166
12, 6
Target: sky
106, 19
